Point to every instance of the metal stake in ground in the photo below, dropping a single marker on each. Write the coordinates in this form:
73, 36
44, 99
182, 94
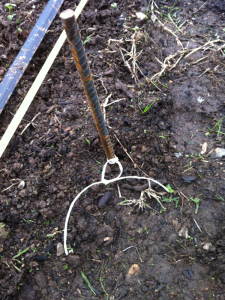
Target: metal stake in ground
74, 38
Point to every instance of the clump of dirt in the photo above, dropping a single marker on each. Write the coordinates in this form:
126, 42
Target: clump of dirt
169, 125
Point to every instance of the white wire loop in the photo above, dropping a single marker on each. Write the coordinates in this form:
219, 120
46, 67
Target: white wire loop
104, 181
112, 161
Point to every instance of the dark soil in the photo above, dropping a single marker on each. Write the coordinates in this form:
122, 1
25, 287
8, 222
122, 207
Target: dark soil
62, 154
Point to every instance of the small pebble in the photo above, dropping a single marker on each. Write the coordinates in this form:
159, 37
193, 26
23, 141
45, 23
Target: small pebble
123, 294
189, 179
21, 185
60, 250
190, 272
144, 288
186, 274
41, 258
122, 104
104, 200
134, 270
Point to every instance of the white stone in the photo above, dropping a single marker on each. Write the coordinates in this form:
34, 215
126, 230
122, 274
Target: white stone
207, 246
141, 16
60, 250
183, 232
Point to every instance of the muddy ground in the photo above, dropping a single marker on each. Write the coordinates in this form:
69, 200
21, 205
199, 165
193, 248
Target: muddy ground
124, 252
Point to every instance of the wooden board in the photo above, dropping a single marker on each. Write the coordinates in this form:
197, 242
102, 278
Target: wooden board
25, 55
36, 85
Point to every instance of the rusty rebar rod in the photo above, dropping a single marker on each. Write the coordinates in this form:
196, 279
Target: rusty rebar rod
74, 38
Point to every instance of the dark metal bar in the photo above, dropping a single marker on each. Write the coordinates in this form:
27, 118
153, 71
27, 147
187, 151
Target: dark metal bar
25, 55
74, 38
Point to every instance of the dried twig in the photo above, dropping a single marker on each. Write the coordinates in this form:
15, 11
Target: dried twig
180, 192
56, 118
119, 193
210, 152
132, 54
115, 101
10, 186
195, 11
136, 249
112, 40
203, 47
100, 79
166, 64
31, 122
154, 18
105, 104
197, 225
195, 62
125, 150
141, 202
207, 70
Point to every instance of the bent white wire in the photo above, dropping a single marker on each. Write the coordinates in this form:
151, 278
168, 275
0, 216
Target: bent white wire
104, 181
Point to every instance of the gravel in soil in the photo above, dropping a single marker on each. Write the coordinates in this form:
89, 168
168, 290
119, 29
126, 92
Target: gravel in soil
168, 127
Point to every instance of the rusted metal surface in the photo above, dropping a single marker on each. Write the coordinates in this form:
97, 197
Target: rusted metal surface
74, 38
25, 55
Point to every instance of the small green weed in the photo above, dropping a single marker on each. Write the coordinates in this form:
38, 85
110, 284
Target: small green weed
217, 124
28, 221
114, 5
170, 190
69, 248
148, 9
10, 6
47, 222
87, 39
52, 146
219, 197
199, 175
164, 137
21, 252
196, 201
148, 106
103, 287
170, 199
135, 28
88, 283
